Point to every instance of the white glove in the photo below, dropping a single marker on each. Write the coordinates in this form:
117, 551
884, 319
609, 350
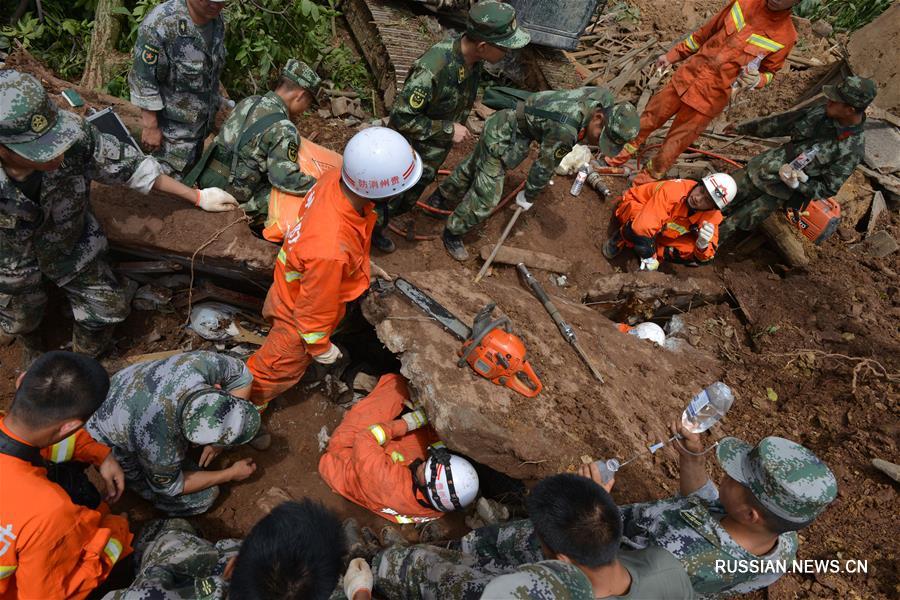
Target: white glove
415, 419
570, 163
705, 235
521, 202
215, 200
649, 264
790, 176
747, 80
330, 356
358, 577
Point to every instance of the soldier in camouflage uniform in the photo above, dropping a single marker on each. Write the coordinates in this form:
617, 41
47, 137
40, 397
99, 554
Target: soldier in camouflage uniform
266, 142
178, 58
433, 106
768, 183
557, 120
47, 228
157, 410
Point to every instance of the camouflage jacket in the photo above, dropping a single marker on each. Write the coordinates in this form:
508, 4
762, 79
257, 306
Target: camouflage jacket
177, 564
556, 120
545, 580
439, 91
59, 235
174, 72
688, 527
840, 151
141, 416
272, 152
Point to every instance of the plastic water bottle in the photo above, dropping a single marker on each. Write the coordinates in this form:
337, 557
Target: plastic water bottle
580, 178
752, 68
707, 408
805, 158
608, 468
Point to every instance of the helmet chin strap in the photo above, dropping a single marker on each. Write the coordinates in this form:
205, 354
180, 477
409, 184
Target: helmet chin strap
439, 455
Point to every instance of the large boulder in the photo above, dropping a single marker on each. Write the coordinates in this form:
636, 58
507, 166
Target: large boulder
645, 386
872, 54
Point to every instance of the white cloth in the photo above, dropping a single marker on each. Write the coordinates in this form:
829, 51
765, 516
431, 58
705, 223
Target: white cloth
572, 161
145, 175
522, 202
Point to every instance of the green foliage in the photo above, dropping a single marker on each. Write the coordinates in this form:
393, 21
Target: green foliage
261, 35
843, 15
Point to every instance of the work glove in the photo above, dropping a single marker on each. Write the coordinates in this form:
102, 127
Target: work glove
747, 80
523, 202
415, 419
215, 200
572, 161
705, 235
330, 356
649, 264
791, 176
358, 577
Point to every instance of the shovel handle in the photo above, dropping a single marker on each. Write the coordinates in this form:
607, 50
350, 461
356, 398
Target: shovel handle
503, 236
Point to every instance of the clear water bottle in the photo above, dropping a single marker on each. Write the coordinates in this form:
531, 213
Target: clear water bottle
608, 468
707, 408
580, 178
752, 68
805, 158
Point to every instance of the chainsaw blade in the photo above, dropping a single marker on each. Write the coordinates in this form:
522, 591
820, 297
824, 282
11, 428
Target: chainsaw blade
433, 309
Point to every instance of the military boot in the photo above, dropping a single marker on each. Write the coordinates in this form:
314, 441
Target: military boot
32, 344
93, 342
454, 246
613, 246
382, 242
437, 202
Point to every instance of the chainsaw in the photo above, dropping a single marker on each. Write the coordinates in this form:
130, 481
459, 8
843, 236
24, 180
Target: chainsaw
488, 347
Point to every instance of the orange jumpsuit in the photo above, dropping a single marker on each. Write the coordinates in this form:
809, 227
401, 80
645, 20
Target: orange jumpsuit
323, 265
369, 456
50, 547
699, 90
659, 211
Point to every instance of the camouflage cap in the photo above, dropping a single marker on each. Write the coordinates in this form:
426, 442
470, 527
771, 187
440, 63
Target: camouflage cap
858, 92
783, 476
495, 23
302, 74
622, 125
218, 418
31, 125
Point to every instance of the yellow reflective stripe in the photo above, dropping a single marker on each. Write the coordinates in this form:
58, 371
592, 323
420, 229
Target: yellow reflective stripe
675, 226
282, 257
312, 338
113, 550
7, 571
737, 15
402, 519
290, 276
765, 43
691, 44
396, 456
630, 148
62, 451
378, 432
768, 77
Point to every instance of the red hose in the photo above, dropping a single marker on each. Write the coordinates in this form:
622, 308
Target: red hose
692, 149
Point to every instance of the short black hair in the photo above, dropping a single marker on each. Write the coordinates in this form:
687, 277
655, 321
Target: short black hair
294, 553
772, 522
60, 386
574, 516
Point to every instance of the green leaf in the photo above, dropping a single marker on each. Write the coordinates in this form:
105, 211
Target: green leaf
771, 395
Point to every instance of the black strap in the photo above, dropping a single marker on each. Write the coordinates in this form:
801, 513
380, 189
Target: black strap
523, 109
441, 456
16, 449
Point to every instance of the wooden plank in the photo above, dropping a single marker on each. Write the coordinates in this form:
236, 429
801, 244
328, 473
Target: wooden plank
537, 260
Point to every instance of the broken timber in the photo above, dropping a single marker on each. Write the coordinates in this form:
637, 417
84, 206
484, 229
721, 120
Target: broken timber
651, 295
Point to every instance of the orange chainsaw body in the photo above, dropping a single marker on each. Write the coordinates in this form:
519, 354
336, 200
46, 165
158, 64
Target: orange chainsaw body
500, 357
820, 223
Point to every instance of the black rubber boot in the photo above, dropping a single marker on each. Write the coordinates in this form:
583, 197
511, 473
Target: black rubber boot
32, 344
382, 242
455, 246
612, 247
437, 201
93, 342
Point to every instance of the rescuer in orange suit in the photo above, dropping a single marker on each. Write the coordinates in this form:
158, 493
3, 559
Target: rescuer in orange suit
324, 262
384, 456
675, 220
741, 48
51, 544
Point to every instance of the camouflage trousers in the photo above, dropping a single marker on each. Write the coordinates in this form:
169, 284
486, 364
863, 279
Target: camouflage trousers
95, 295
433, 156
184, 505
460, 571
478, 180
748, 210
181, 147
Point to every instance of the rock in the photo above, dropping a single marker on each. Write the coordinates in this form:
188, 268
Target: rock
272, 497
855, 196
888, 468
536, 260
322, 437
879, 245
822, 28
871, 59
882, 151
342, 107
878, 207
324, 113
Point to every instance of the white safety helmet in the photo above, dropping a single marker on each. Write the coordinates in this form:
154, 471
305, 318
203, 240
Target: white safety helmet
721, 187
451, 482
379, 163
649, 331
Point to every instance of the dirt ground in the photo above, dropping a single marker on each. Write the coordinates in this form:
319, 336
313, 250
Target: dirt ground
812, 354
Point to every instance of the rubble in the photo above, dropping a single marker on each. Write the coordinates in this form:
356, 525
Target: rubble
651, 294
